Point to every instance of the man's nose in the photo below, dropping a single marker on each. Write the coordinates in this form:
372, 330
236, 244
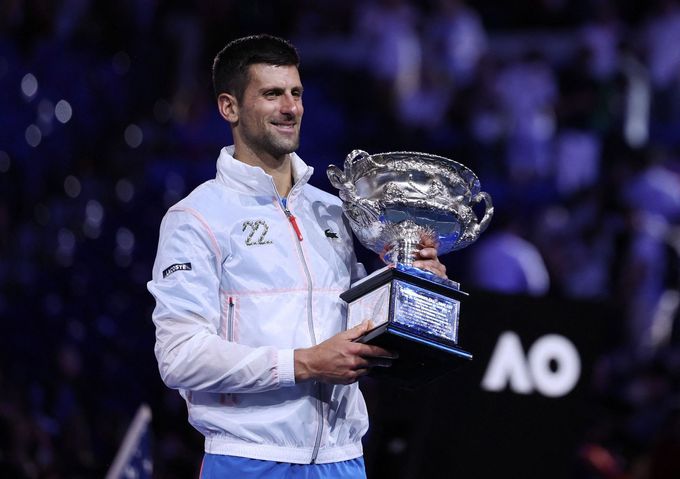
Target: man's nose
290, 104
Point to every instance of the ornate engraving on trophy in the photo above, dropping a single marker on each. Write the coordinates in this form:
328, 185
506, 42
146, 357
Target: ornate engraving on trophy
388, 196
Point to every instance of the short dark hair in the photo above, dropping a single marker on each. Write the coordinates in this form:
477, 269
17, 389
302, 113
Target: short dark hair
230, 68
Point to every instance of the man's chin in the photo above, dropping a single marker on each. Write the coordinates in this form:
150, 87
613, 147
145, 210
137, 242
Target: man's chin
287, 148
277, 146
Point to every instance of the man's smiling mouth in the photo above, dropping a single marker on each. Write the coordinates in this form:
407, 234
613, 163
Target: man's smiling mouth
284, 125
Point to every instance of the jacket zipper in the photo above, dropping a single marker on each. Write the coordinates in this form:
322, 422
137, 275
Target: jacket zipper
227, 397
293, 222
230, 320
310, 324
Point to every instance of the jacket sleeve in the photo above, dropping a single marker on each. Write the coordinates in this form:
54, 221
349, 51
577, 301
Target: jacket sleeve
191, 353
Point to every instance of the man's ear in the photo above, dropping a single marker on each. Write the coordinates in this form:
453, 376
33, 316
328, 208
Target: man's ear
228, 107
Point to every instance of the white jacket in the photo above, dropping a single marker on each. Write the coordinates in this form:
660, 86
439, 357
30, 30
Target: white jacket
236, 292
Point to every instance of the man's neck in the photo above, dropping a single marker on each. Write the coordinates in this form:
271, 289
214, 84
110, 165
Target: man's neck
280, 169
283, 177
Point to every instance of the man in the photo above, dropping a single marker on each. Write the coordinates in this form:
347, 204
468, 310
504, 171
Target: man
249, 324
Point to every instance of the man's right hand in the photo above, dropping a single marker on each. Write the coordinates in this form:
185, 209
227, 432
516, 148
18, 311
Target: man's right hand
340, 360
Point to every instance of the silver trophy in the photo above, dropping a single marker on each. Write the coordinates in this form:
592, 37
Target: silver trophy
396, 203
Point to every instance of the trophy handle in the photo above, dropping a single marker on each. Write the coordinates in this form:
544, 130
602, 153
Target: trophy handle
336, 177
475, 229
353, 157
346, 189
488, 210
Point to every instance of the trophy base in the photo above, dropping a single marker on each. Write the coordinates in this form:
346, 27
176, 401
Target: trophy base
421, 360
416, 313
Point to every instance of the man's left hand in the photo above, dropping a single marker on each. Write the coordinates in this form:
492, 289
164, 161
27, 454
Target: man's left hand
426, 258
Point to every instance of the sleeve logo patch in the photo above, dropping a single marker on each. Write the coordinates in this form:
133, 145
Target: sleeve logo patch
176, 267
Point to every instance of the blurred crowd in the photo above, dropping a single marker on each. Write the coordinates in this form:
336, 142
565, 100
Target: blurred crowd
569, 113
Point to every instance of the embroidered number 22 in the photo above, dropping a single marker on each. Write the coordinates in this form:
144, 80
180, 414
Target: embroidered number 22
254, 227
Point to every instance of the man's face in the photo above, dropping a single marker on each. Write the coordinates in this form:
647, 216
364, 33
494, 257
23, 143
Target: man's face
270, 111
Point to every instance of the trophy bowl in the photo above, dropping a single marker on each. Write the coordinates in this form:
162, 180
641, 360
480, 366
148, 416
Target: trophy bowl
398, 200
397, 203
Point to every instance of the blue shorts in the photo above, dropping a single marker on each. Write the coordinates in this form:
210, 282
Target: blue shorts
216, 466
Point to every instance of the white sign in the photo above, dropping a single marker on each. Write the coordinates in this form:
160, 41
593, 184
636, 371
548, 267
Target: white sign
552, 366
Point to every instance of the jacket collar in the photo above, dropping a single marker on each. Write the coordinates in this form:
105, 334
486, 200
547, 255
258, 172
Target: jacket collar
253, 179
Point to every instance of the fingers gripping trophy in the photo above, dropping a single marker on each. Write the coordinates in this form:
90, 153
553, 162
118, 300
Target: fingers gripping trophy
396, 203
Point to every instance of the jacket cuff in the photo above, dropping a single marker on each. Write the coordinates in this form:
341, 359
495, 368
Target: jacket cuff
286, 367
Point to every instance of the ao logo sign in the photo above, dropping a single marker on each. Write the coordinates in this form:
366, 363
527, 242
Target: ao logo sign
552, 366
